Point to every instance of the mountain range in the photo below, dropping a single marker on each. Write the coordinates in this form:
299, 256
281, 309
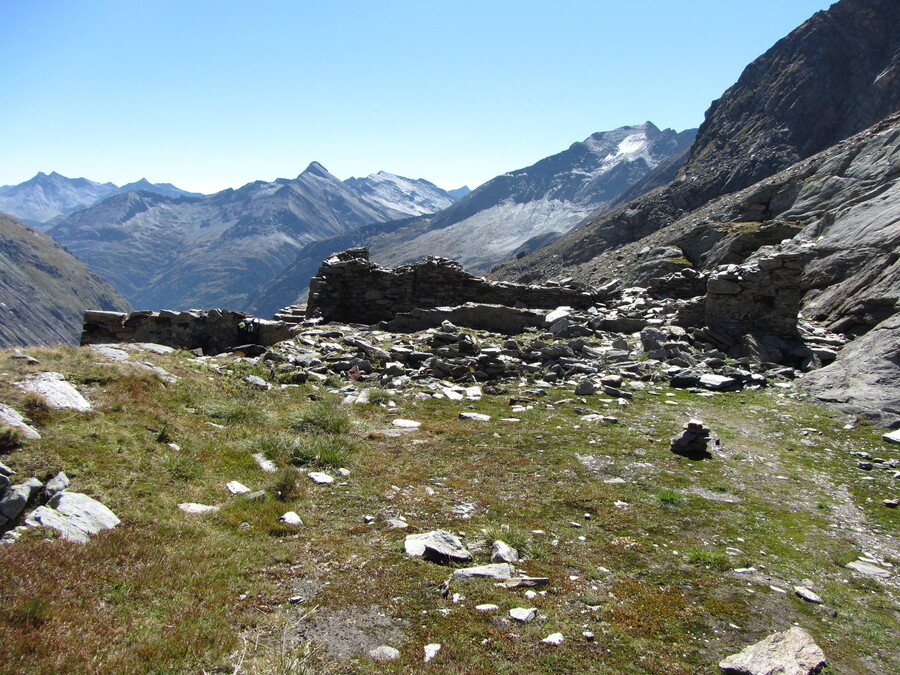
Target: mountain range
47, 196
213, 251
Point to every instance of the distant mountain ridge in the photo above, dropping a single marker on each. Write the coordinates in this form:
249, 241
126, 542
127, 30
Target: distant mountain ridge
46, 196
516, 211
213, 251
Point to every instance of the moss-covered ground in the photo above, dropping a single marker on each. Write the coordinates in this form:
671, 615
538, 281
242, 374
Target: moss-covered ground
671, 564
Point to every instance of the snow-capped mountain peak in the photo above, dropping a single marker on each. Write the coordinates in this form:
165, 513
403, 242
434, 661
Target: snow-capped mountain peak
404, 195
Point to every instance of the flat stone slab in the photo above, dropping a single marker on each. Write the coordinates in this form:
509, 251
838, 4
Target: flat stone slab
75, 516
478, 417
501, 571
791, 652
189, 507
320, 477
522, 614
869, 569
236, 488
13, 418
406, 424
110, 352
56, 391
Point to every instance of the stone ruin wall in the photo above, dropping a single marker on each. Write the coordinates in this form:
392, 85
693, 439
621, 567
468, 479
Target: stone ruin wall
762, 296
350, 288
213, 331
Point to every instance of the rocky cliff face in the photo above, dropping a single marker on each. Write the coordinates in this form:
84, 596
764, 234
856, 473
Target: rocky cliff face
830, 78
44, 290
177, 253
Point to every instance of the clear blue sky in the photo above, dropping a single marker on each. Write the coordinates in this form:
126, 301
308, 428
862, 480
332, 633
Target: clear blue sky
214, 94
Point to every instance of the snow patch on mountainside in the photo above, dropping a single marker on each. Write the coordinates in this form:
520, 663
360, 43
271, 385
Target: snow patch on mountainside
405, 195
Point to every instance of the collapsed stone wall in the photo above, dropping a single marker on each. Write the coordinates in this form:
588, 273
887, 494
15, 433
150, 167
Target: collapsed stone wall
762, 295
213, 331
351, 288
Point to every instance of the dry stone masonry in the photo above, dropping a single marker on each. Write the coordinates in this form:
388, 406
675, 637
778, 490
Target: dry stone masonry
213, 331
351, 288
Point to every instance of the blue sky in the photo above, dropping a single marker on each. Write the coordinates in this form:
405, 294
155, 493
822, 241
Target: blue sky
215, 94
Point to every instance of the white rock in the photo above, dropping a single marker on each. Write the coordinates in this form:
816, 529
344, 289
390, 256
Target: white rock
792, 652
478, 417
406, 424
110, 352
320, 477
807, 594
56, 391
257, 382
237, 488
487, 607
501, 552
290, 518
73, 515
869, 569
431, 650
892, 436
554, 639
189, 507
343, 472
437, 544
264, 463
522, 614
12, 418
58, 483
384, 653
556, 315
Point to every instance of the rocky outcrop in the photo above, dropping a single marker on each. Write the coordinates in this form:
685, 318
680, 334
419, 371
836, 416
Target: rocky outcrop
211, 331
865, 377
351, 288
215, 250
761, 296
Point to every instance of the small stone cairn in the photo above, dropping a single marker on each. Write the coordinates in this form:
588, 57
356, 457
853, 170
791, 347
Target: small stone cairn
693, 441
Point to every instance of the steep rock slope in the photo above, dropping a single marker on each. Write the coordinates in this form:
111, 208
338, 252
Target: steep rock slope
46, 196
164, 252
835, 75
517, 211
44, 290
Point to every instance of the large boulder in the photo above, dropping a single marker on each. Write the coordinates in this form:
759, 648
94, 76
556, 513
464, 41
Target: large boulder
791, 652
75, 516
